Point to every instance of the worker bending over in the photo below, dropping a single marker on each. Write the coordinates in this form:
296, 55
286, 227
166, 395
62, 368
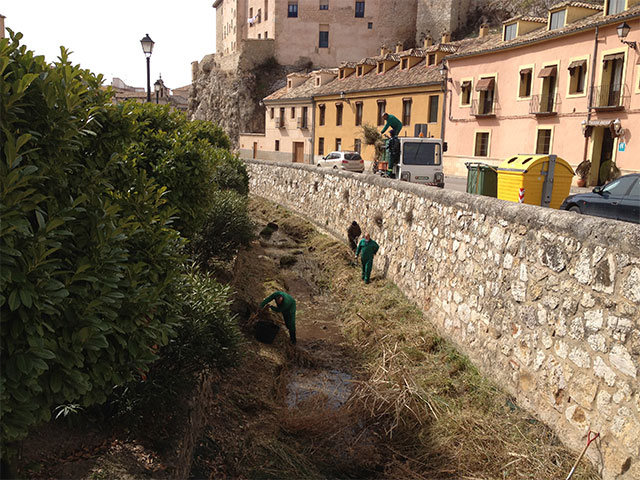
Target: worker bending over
286, 305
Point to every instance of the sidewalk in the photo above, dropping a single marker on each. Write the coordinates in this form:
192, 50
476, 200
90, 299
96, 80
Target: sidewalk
460, 184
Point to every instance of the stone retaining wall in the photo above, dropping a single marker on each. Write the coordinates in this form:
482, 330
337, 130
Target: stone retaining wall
545, 302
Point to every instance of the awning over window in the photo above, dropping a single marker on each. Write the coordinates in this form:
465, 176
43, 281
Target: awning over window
547, 72
485, 84
526, 71
577, 63
613, 56
466, 84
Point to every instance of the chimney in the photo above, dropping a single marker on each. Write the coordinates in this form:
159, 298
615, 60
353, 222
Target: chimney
428, 41
446, 37
399, 47
484, 30
194, 71
384, 50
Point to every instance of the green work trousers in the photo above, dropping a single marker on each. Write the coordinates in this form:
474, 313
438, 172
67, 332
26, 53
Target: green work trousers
366, 268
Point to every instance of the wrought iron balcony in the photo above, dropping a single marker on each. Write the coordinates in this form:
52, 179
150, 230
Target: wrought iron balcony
544, 104
484, 108
609, 97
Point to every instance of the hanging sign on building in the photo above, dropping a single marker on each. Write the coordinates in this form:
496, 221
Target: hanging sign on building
622, 146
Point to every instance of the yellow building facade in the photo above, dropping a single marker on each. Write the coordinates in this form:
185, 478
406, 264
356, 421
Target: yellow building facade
401, 84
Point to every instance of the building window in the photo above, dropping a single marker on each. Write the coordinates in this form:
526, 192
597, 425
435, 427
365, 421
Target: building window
266, 13
324, 40
266, 35
321, 146
405, 64
321, 114
524, 90
370, 25
281, 118
271, 114
486, 87
577, 76
305, 114
557, 20
293, 112
382, 106
338, 144
609, 94
481, 148
465, 92
259, 36
259, 15
338, 114
433, 108
293, 10
380, 67
358, 113
406, 111
543, 142
548, 97
359, 9
510, 32
431, 60
615, 6
359, 73
324, 4
277, 145
357, 145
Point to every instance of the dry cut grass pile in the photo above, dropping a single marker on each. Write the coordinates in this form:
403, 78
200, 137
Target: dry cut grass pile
439, 416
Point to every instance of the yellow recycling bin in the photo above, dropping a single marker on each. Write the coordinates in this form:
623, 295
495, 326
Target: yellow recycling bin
543, 180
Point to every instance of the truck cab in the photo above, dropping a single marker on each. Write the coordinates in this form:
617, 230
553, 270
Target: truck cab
419, 160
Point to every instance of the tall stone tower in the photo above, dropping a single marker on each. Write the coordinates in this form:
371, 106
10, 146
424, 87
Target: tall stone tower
438, 16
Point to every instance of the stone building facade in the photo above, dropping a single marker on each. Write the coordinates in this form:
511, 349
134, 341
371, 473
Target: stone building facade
541, 305
328, 32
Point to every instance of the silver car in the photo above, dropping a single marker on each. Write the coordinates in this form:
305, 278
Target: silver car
351, 161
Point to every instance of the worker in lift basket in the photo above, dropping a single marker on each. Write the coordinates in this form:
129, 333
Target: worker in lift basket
393, 143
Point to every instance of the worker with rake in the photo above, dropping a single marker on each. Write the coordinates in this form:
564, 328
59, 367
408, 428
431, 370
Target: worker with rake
368, 248
286, 305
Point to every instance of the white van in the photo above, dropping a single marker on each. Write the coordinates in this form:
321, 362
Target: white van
419, 161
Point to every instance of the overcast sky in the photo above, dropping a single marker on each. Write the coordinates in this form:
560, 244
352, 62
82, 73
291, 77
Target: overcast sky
105, 36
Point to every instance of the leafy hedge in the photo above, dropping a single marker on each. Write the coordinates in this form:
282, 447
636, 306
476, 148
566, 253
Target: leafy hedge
189, 158
96, 201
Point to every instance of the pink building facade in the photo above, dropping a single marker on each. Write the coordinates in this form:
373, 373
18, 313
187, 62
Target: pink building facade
571, 88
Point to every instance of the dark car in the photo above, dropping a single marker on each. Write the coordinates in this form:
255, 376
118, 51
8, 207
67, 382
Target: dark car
619, 200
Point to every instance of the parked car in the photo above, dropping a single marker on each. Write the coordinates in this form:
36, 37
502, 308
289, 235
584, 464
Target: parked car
351, 161
619, 199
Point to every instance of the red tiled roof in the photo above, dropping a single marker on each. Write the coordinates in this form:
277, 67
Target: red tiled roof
494, 42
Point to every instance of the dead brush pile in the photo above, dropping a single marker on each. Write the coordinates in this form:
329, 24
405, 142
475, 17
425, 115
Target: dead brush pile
439, 416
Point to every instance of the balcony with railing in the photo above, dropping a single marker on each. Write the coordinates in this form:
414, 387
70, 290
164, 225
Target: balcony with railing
544, 105
609, 97
483, 108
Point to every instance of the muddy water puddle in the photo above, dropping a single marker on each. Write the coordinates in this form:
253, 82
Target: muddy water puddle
333, 385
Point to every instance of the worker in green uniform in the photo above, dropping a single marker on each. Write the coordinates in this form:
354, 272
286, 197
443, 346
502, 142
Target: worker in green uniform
393, 144
286, 305
393, 122
368, 248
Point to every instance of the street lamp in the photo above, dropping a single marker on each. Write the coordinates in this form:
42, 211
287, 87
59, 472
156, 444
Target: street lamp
157, 87
623, 30
147, 48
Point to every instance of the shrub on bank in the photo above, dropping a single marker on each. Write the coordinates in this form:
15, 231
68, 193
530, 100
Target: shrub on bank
95, 202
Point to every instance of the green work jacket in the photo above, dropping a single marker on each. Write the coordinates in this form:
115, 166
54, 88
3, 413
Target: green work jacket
368, 249
288, 302
393, 122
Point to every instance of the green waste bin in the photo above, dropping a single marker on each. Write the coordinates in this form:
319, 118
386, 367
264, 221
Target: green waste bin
482, 179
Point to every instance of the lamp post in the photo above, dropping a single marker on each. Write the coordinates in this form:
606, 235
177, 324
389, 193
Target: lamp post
157, 87
444, 72
147, 48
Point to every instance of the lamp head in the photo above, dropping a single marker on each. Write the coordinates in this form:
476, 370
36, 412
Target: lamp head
147, 45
